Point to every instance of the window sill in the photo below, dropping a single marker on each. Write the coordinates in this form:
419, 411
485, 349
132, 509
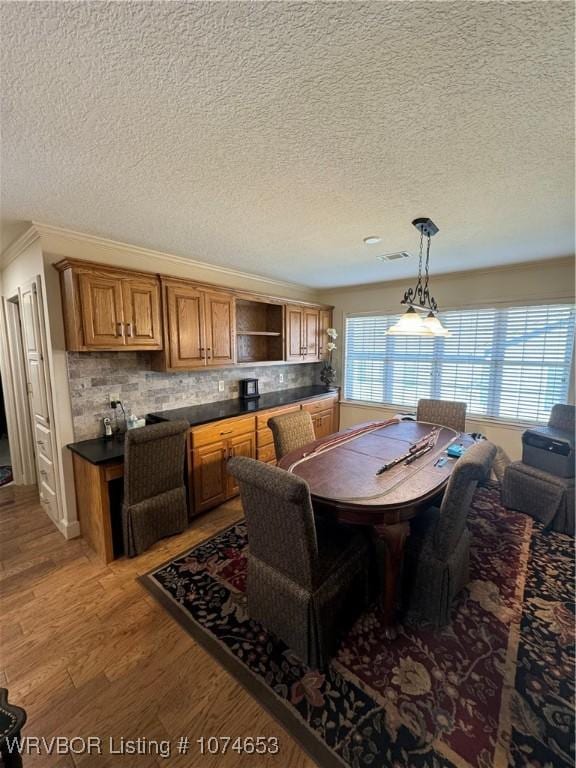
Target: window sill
515, 425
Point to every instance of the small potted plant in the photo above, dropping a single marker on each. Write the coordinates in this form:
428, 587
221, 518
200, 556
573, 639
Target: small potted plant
328, 373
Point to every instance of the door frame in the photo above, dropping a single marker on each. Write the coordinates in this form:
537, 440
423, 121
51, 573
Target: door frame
15, 383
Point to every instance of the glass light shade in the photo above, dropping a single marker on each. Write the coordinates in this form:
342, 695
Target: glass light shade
435, 326
410, 324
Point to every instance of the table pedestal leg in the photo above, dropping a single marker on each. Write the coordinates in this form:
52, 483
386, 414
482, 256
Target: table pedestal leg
394, 537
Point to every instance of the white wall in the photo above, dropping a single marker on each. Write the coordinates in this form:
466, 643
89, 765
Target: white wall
544, 282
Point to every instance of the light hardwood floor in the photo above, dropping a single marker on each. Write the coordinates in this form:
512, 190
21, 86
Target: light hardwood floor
87, 652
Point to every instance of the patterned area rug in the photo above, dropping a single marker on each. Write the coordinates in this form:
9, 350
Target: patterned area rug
492, 690
5, 475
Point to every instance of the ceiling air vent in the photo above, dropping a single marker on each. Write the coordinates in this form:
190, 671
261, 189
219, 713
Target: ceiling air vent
394, 256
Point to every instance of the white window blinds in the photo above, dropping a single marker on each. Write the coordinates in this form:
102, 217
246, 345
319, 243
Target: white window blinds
512, 363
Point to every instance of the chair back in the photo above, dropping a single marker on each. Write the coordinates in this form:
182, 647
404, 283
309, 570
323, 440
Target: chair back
447, 413
279, 518
291, 431
562, 417
471, 468
154, 460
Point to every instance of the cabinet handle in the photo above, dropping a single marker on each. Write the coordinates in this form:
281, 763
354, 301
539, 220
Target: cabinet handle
43, 473
227, 433
119, 329
40, 442
130, 330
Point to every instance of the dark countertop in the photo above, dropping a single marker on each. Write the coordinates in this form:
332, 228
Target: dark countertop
196, 415
100, 451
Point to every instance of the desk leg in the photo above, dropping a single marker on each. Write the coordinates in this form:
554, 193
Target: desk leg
394, 537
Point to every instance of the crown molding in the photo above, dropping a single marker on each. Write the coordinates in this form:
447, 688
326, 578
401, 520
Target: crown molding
54, 238
18, 246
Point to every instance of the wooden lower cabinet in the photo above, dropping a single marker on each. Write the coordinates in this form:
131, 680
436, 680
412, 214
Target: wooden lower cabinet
324, 412
211, 447
209, 476
213, 444
242, 445
323, 423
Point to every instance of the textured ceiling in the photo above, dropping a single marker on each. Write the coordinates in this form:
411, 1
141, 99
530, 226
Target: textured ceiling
272, 137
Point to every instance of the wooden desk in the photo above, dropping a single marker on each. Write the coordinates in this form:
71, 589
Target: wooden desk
341, 472
93, 502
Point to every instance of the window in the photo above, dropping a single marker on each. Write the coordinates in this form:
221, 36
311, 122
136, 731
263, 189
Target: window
511, 364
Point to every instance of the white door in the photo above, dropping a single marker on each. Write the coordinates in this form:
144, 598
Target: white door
32, 319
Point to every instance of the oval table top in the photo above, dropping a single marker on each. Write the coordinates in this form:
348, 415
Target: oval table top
341, 470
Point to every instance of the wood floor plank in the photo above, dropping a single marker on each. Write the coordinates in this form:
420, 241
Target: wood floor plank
87, 651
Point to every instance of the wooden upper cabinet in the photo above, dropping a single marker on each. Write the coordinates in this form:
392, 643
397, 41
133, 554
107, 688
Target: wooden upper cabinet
311, 337
293, 333
199, 326
184, 326
142, 325
302, 334
220, 328
107, 308
101, 310
194, 324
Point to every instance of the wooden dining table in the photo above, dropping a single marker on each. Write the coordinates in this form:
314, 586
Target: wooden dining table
342, 472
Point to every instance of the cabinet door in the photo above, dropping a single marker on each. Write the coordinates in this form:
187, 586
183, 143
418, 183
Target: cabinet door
220, 330
242, 445
323, 423
101, 309
209, 477
325, 323
142, 313
294, 342
185, 332
311, 324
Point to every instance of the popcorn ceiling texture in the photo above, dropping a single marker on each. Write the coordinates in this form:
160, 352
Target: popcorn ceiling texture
93, 376
272, 137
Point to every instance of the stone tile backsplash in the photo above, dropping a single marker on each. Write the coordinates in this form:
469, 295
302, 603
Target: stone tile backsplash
93, 376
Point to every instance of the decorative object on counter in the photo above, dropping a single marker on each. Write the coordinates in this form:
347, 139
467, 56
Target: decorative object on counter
328, 373
134, 422
421, 317
248, 389
107, 427
117, 427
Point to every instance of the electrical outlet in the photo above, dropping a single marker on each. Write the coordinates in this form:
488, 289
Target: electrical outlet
221, 386
281, 378
113, 398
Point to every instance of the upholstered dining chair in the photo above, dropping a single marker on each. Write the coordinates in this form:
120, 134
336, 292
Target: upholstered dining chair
305, 584
447, 413
291, 431
154, 504
438, 551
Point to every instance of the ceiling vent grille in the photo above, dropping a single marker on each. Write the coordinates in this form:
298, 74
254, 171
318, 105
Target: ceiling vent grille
398, 256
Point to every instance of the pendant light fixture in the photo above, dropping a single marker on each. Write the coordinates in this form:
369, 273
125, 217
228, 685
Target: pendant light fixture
421, 318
